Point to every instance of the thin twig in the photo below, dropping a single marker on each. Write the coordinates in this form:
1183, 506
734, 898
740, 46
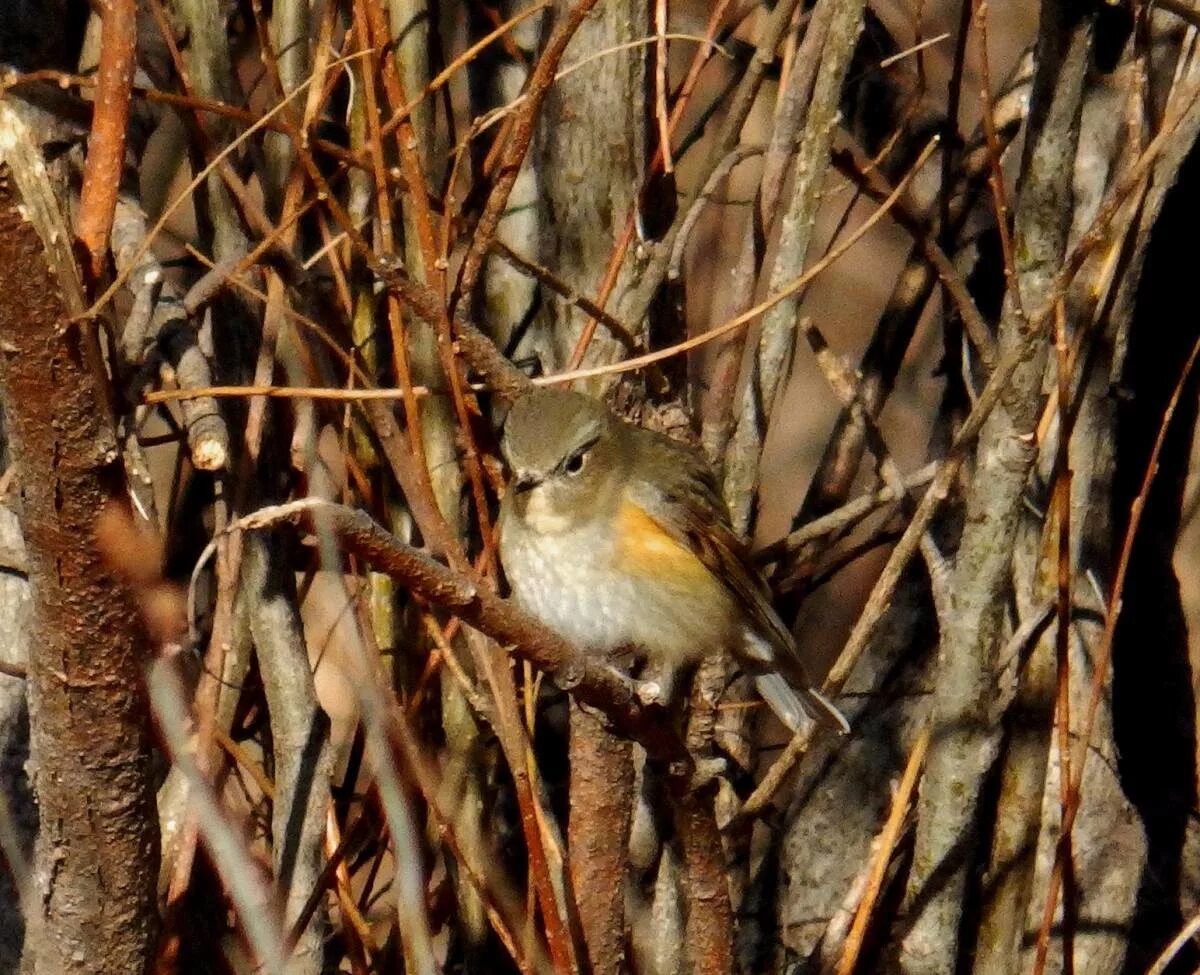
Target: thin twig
841, 518
744, 319
883, 855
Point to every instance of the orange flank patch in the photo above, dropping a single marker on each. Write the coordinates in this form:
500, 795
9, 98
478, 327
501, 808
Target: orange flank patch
646, 549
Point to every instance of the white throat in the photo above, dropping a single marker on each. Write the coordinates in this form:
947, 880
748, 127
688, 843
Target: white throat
540, 517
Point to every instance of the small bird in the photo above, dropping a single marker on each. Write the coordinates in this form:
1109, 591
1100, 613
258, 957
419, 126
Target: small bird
617, 537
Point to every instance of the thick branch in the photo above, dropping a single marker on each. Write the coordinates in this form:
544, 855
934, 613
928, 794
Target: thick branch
97, 853
601, 806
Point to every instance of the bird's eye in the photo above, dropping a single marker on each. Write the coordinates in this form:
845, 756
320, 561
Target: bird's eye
575, 462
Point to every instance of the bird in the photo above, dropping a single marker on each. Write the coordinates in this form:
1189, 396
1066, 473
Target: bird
617, 537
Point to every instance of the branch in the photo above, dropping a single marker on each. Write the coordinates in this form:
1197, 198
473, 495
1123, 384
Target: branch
966, 733
300, 743
710, 931
601, 784
473, 601
105, 162
160, 334
883, 857
889, 344
475, 347
832, 31
96, 856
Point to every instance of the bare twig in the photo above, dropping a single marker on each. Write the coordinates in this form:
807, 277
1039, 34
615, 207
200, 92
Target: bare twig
543, 843
841, 519
883, 854
299, 734
885, 586
160, 321
744, 319
620, 331
740, 107
880, 362
110, 119
233, 861
1176, 944
706, 882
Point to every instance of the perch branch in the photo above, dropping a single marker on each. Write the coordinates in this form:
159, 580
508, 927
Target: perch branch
472, 600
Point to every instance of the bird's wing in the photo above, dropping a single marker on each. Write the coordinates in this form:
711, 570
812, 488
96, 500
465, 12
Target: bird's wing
686, 503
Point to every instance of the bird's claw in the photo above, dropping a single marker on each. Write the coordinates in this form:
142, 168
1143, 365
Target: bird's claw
707, 770
648, 692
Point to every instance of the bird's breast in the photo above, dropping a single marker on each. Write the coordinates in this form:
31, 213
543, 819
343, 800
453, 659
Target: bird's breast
620, 583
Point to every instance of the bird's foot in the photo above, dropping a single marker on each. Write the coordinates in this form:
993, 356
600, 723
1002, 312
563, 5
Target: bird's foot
707, 770
649, 692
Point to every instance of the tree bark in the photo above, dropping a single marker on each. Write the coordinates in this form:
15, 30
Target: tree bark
96, 858
591, 153
598, 833
966, 738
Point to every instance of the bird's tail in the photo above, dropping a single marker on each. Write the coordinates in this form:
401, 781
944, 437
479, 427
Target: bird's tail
798, 711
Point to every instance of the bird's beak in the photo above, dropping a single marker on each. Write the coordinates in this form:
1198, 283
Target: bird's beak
523, 483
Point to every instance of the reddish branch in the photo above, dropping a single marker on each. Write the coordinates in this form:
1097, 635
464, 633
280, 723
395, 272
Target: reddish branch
601, 804
542, 843
710, 933
710, 916
97, 850
110, 121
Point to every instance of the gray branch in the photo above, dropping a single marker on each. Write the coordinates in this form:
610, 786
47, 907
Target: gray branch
966, 738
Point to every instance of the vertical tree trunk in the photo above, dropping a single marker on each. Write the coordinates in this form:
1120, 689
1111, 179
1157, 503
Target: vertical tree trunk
97, 849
